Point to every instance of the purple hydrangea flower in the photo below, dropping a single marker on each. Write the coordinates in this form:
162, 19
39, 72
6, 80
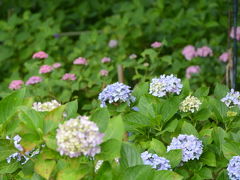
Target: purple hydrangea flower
234, 168
165, 84
232, 98
117, 92
191, 146
156, 162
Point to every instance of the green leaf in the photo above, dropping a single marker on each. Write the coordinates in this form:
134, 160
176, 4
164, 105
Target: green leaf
105, 172
115, 129
231, 149
220, 91
110, 150
188, 128
219, 136
206, 173
174, 156
101, 117
169, 108
44, 167
171, 126
158, 147
71, 109
202, 115
201, 92
139, 172
7, 168
140, 89
168, 175
70, 174
129, 156
209, 158
145, 106
9, 105
135, 120
6, 149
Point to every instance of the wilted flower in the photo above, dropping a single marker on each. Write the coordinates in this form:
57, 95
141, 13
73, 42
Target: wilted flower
113, 43
34, 80
224, 57
104, 72
69, 76
45, 69
80, 61
237, 33
105, 59
46, 106
204, 51
191, 146
190, 104
234, 168
189, 52
40, 55
156, 44
165, 84
15, 84
79, 136
117, 92
20, 155
232, 98
192, 70
132, 56
156, 162
56, 65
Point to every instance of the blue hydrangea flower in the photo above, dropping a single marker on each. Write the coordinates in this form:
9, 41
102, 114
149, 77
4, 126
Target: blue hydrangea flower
234, 168
232, 98
191, 146
156, 162
165, 84
117, 92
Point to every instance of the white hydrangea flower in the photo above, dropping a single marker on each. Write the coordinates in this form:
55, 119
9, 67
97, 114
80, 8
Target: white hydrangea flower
190, 104
79, 136
46, 106
232, 98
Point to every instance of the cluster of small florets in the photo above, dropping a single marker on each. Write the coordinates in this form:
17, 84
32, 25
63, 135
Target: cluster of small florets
234, 168
191, 146
79, 136
15, 84
34, 80
20, 155
117, 92
46, 106
190, 104
232, 98
165, 84
69, 77
156, 162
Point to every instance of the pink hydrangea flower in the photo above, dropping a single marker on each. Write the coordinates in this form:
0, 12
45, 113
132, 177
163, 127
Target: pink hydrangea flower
237, 34
113, 43
69, 76
34, 80
192, 70
224, 57
15, 84
56, 65
80, 61
189, 52
204, 51
40, 55
132, 56
105, 59
156, 44
104, 72
45, 69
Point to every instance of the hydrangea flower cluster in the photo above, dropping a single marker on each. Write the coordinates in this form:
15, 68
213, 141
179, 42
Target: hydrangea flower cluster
191, 146
238, 33
46, 106
224, 57
34, 80
69, 76
204, 51
56, 65
165, 84
156, 162
232, 98
20, 155
105, 59
40, 55
79, 136
15, 84
45, 69
156, 44
190, 104
189, 52
234, 168
132, 56
192, 70
80, 61
117, 92
104, 72
112, 43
